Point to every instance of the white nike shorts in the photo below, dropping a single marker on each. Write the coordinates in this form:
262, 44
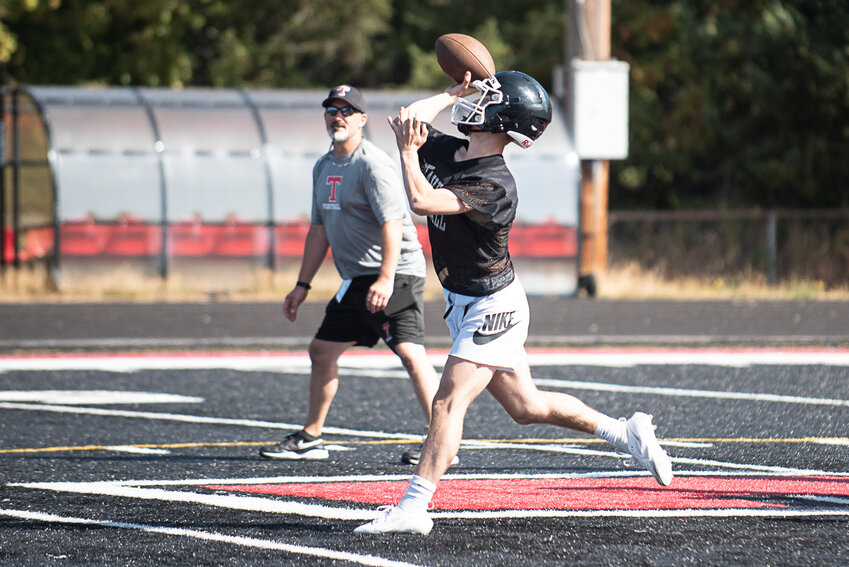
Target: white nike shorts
489, 330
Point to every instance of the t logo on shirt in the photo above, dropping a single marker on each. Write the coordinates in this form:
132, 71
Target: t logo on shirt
335, 181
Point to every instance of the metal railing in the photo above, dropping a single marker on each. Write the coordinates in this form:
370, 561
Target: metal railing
776, 244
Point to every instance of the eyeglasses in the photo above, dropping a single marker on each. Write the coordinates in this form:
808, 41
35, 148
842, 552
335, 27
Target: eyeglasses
345, 110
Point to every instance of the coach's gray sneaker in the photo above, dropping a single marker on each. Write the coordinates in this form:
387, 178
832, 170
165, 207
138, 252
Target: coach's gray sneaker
296, 446
643, 446
412, 456
395, 520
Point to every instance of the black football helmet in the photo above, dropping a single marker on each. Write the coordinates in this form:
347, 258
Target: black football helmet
510, 102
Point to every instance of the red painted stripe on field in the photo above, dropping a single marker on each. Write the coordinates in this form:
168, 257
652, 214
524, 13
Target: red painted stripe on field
640, 493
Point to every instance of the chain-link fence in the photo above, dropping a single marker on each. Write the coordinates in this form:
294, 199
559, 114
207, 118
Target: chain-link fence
776, 245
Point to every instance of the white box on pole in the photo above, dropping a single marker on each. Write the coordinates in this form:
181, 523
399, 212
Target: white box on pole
600, 109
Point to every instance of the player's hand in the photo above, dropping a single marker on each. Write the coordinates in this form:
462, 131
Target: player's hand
293, 301
378, 295
462, 89
410, 132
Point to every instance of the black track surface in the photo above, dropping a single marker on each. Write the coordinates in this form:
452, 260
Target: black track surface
43, 445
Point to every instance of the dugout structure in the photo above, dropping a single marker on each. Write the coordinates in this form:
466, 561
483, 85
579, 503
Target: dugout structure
215, 184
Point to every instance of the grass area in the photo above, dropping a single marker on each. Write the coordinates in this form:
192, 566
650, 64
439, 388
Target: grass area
630, 281
622, 282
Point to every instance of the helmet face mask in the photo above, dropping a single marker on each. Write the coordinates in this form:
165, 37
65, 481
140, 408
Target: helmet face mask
472, 113
510, 102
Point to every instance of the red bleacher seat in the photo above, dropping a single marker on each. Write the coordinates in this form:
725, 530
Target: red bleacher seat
289, 238
83, 238
241, 240
9, 245
547, 240
133, 239
39, 242
192, 239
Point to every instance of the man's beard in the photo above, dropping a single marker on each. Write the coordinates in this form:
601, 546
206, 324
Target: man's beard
339, 136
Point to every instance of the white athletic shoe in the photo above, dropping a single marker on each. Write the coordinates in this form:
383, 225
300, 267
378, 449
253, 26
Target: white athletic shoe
395, 520
643, 446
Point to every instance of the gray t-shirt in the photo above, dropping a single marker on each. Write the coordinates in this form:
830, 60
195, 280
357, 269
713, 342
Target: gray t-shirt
353, 196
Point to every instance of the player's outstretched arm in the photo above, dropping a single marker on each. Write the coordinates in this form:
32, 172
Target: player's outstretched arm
427, 109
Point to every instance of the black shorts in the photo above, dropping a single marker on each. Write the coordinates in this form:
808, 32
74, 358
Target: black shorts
402, 321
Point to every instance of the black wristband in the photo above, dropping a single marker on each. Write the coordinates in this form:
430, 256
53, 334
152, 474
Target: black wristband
304, 285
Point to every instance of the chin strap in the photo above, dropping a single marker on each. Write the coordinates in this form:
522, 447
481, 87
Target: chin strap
521, 139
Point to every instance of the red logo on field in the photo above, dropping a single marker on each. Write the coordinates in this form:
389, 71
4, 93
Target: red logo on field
635, 493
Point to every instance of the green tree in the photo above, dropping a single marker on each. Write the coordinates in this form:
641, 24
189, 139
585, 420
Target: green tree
735, 103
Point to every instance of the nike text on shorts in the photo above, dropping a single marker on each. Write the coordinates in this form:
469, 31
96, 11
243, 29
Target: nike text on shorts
489, 330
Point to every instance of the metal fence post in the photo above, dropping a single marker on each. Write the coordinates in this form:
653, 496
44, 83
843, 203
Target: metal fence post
3, 92
16, 177
771, 245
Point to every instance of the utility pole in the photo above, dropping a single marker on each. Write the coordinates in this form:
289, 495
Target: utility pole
588, 38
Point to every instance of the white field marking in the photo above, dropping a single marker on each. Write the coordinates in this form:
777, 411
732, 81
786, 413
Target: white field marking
612, 473
230, 501
828, 499
299, 362
94, 397
692, 513
682, 357
212, 536
682, 392
201, 419
266, 505
139, 450
690, 444
833, 441
596, 453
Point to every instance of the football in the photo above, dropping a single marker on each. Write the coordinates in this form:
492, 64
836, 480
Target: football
457, 53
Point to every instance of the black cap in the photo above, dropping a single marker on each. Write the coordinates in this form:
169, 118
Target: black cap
349, 94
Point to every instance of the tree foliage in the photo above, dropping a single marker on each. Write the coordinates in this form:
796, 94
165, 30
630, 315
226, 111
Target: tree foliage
733, 102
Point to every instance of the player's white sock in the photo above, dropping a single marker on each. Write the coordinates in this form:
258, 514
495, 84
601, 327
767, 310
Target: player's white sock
418, 495
613, 431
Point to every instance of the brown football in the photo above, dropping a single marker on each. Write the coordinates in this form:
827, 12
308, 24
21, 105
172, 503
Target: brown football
457, 53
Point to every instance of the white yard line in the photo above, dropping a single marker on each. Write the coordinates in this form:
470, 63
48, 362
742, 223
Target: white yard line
299, 362
687, 393
132, 489
184, 418
332, 554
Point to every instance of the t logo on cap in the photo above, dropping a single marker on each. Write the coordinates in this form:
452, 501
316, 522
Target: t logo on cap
347, 93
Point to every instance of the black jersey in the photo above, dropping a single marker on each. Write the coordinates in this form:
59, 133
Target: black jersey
470, 252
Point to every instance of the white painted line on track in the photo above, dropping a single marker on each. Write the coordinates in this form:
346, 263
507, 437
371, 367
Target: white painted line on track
94, 397
137, 450
200, 419
230, 501
833, 441
471, 444
299, 362
686, 393
131, 489
697, 513
331, 554
612, 473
